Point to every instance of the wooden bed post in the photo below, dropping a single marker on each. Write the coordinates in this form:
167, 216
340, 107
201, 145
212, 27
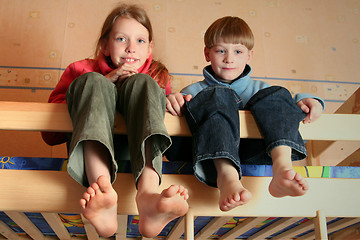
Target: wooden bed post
320, 226
189, 225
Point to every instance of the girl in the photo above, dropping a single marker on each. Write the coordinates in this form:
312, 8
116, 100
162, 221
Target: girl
120, 77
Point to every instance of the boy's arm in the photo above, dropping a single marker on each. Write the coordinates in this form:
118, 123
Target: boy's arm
175, 102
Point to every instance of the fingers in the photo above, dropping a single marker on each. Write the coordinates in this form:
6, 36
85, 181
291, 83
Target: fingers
121, 73
175, 102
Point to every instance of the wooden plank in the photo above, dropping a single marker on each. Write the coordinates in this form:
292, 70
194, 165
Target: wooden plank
274, 228
53, 191
243, 227
211, 227
91, 233
54, 117
321, 152
24, 222
311, 235
320, 225
352, 232
301, 228
122, 227
189, 225
7, 232
177, 230
57, 225
343, 223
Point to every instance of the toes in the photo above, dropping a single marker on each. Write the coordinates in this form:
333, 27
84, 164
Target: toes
87, 196
83, 203
104, 184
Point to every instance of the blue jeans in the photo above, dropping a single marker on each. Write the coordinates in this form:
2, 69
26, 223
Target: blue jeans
213, 119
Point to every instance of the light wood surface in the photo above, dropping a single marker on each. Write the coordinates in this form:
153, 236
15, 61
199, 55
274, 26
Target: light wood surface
54, 117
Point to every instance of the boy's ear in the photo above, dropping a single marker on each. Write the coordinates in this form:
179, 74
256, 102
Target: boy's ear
250, 55
207, 54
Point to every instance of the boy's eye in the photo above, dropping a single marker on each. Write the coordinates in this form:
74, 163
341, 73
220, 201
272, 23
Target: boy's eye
238, 52
121, 39
141, 41
220, 51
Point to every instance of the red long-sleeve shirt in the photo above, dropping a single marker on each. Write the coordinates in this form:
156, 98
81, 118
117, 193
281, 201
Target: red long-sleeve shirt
75, 70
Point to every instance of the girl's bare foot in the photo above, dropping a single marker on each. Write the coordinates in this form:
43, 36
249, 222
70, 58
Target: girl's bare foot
233, 194
288, 183
99, 206
156, 210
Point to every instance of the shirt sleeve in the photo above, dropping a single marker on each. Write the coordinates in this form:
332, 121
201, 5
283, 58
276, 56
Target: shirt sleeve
58, 96
298, 97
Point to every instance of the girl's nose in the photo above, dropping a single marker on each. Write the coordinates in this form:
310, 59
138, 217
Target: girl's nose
130, 48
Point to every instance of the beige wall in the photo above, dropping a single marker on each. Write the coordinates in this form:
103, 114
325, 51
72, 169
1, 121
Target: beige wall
305, 45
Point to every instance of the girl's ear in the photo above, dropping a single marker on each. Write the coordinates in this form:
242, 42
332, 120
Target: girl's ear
207, 53
104, 48
150, 49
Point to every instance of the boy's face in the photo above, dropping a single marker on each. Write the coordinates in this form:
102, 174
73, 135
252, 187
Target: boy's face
228, 60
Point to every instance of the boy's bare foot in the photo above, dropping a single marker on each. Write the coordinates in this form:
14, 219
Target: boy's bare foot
99, 206
288, 183
233, 194
157, 210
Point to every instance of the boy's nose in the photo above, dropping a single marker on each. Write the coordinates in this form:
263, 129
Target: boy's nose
228, 59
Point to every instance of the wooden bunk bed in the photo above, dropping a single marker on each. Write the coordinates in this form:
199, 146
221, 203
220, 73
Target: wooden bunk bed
330, 205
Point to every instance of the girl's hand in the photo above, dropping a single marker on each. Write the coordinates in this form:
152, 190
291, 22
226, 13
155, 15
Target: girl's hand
312, 107
121, 73
175, 102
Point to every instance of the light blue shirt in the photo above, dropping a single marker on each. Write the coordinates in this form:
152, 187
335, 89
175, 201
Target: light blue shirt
244, 86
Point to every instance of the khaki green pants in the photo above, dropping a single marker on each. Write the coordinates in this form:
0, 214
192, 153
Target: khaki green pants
92, 102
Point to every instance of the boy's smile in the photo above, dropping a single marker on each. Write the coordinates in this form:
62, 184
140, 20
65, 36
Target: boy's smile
228, 60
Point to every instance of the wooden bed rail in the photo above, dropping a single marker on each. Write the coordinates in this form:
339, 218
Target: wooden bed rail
54, 117
51, 192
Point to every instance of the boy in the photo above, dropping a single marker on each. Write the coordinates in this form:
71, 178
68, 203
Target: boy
211, 109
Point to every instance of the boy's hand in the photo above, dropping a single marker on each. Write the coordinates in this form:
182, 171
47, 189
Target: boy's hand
312, 107
175, 102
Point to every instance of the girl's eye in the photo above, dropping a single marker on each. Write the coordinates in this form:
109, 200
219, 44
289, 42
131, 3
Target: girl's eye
120, 39
141, 41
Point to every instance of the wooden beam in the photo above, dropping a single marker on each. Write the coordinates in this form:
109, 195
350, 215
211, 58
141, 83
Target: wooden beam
53, 191
55, 118
320, 225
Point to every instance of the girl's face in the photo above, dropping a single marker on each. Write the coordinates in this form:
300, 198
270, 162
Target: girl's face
128, 43
228, 60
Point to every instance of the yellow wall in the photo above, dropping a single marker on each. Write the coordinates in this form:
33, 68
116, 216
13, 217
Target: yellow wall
305, 45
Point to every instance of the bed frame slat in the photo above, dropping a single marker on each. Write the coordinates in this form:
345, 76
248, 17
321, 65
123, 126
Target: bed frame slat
177, 230
122, 227
274, 228
211, 227
243, 227
7, 232
24, 222
320, 225
57, 225
89, 229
